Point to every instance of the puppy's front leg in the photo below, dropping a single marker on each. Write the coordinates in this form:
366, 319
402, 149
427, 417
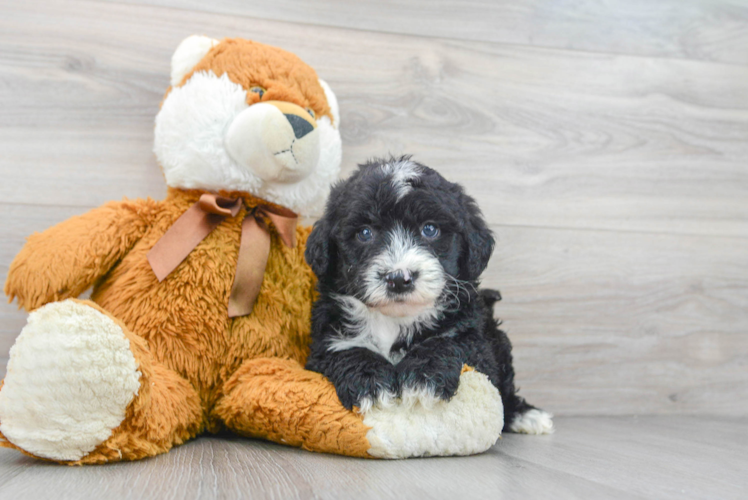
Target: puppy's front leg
361, 377
431, 370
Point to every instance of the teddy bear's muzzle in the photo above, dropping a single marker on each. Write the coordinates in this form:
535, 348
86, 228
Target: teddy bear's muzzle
276, 141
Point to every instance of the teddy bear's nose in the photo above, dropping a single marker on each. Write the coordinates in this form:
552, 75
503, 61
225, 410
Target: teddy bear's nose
301, 127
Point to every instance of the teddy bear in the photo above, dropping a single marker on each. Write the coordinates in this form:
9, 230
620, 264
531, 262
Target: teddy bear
199, 316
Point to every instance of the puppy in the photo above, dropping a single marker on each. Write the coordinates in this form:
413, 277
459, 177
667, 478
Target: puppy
398, 253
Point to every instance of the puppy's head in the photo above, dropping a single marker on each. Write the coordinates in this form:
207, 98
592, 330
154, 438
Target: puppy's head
400, 238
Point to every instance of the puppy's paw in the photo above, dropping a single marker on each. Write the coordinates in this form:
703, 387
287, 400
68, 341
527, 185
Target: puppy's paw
534, 421
424, 395
428, 380
372, 386
383, 400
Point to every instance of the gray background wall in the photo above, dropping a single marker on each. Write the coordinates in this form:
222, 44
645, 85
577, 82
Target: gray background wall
607, 143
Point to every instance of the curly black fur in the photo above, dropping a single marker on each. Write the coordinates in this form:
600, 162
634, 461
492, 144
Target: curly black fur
430, 353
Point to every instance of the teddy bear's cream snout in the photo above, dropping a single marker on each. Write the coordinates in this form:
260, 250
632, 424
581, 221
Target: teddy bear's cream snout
276, 141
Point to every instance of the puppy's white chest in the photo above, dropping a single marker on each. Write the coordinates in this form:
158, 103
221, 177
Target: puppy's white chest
384, 332
371, 330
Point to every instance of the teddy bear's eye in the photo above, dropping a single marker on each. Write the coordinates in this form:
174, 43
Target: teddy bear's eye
311, 113
258, 90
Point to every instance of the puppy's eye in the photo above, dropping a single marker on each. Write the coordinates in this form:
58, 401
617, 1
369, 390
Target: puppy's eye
430, 231
365, 234
311, 113
258, 90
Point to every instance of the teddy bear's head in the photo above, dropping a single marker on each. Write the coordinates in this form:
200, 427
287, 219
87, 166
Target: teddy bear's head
243, 116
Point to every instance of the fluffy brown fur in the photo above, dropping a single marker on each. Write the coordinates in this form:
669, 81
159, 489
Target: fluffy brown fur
201, 369
282, 74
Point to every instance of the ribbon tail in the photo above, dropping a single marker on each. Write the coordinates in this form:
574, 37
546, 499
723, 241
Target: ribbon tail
284, 222
254, 250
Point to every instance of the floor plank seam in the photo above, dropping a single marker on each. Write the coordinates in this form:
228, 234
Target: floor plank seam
425, 36
493, 225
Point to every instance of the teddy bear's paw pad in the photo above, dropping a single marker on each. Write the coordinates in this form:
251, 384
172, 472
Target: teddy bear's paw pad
469, 423
533, 422
70, 378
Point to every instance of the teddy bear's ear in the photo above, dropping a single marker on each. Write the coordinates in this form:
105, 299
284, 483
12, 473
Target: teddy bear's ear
188, 54
332, 101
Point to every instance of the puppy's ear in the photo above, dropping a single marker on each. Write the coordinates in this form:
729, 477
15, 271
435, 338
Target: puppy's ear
317, 253
479, 240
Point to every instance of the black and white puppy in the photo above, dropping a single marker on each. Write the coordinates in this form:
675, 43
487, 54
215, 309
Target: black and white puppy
398, 253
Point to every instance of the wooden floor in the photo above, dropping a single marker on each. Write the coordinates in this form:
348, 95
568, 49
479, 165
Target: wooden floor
607, 143
657, 458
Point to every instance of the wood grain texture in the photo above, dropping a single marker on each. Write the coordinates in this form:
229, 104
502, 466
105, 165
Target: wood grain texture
714, 30
541, 137
611, 323
617, 185
647, 458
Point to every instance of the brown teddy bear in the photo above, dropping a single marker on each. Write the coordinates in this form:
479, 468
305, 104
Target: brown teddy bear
200, 313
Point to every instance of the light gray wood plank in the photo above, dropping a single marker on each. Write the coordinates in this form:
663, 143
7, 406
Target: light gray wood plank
694, 29
611, 323
603, 322
648, 457
232, 467
544, 138
653, 457
80, 167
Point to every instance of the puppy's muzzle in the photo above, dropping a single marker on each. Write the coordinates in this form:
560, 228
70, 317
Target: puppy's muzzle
400, 281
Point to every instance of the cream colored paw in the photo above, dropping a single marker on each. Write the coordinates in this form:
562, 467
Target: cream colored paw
533, 422
418, 426
70, 378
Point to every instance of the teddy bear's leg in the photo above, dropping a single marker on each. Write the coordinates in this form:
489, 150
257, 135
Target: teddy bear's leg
277, 399
81, 388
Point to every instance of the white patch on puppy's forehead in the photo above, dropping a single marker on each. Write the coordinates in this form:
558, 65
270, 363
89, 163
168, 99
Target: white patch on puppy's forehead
402, 172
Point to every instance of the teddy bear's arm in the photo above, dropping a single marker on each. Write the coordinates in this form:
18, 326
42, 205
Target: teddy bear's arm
66, 259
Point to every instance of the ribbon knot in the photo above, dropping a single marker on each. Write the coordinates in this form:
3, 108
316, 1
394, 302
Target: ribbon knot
201, 219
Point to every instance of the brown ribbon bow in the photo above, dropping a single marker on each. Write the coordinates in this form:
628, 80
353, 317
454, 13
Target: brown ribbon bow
201, 219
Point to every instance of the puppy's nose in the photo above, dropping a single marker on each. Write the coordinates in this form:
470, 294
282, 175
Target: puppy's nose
300, 126
400, 281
